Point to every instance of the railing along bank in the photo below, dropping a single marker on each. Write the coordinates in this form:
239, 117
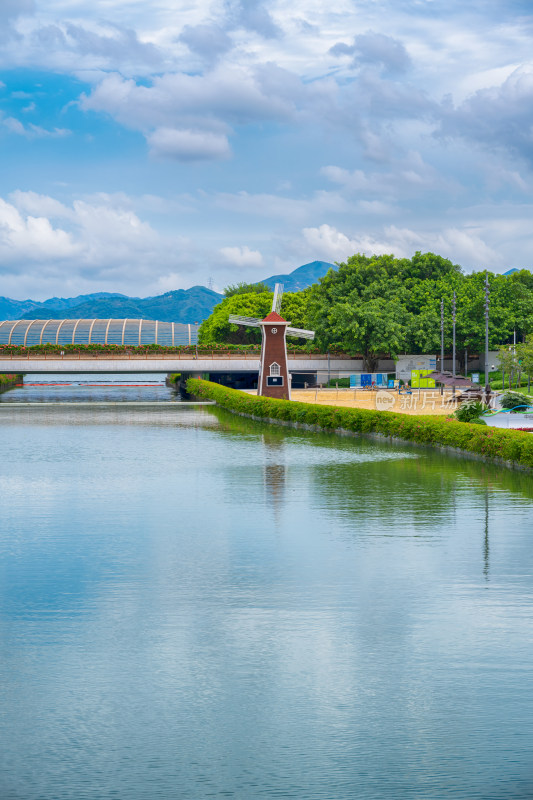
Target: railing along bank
25, 353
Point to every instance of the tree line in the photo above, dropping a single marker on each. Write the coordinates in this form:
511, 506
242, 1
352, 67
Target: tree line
378, 305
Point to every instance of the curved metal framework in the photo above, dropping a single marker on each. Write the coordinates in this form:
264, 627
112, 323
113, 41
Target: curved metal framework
129, 332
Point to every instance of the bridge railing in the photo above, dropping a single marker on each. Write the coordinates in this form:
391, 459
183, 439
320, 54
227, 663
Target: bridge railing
201, 354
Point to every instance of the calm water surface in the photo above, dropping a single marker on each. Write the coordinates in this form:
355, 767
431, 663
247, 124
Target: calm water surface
98, 388
197, 606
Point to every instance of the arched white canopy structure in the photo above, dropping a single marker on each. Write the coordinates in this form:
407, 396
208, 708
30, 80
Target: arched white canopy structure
131, 332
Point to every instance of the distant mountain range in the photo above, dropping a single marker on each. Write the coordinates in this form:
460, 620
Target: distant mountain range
15, 309
182, 305
302, 277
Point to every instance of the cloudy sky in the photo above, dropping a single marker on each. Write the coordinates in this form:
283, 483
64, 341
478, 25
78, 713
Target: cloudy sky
150, 145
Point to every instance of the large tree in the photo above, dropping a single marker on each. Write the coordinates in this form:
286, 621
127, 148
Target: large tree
368, 327
380, 304
216, 329
245, 288
375, 305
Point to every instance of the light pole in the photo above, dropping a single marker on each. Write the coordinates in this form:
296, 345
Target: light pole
442, 341
487, 305
442, 335
453, 348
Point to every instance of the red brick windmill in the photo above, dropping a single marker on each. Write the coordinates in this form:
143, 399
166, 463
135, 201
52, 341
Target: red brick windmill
273, 378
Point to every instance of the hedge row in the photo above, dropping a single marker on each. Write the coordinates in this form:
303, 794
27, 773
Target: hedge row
18, 349
6, 380
497, 443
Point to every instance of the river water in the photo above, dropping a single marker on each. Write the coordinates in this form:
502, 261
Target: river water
193, 605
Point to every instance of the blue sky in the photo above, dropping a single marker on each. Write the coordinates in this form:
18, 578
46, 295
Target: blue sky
149, 146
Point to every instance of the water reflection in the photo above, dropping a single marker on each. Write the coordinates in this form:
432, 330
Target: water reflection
97, 388
194, 605
274, 472
486, 548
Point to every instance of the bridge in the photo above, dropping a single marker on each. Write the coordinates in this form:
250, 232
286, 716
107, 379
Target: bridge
201, 361
184, 356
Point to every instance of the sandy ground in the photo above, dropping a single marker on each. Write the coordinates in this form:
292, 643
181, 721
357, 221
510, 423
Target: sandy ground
427, 401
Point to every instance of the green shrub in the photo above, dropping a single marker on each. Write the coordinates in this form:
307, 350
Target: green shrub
501, 443
470, 411
478, 421
513, 399
10, 379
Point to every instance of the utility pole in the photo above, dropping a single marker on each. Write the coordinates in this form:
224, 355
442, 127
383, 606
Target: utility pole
487, 305
442, 335
442, 341
453, 353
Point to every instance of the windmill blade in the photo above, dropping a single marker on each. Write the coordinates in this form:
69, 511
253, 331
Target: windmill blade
300, 332
252, 322
278, 296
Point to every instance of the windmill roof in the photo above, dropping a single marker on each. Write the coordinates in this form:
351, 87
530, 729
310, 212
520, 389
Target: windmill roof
274, 317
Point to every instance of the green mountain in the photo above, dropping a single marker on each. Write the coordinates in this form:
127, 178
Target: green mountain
32, 309
13, 309
58, 303
302, 277
182, 305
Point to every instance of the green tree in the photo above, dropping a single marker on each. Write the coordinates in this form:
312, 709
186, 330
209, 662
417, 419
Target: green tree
216, 329
507, 361
376, 305
524, 355
246, 288
367, 327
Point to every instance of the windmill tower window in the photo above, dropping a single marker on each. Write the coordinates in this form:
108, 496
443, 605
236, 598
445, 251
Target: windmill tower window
274, 369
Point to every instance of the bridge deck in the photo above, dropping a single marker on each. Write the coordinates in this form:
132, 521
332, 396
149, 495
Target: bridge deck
166, 362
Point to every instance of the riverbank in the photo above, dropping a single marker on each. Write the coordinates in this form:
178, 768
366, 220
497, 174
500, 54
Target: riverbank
173, 380
510, 448
9, 381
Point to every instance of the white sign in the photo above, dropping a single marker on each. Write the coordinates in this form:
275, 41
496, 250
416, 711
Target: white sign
406, 364
475, 377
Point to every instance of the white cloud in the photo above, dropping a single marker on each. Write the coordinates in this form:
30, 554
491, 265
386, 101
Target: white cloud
28, 237
407, 177
101, 242
32, 131
258, 81
497, 117
242, 256
188, 116
208, 40
40, 205
330, 244
297, 210
187, 145
375, 48
469, 245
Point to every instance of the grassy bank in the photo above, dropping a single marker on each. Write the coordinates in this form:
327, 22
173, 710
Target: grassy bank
9, 380
511, 447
